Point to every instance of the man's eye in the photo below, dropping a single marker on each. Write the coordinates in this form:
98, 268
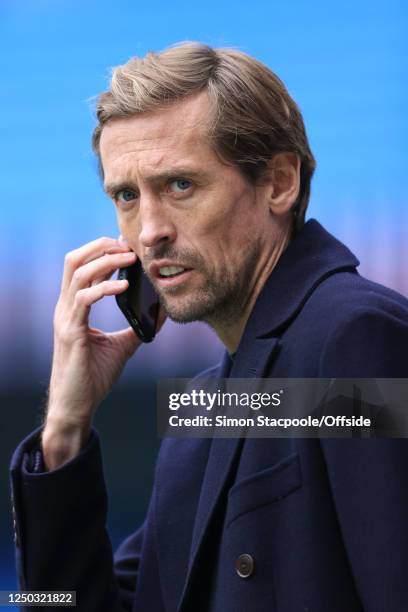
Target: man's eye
125, 195
180, 185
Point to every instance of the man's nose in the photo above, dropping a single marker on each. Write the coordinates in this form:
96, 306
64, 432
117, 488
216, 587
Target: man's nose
155, 224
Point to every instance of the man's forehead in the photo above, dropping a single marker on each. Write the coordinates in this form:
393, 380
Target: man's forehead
183, 122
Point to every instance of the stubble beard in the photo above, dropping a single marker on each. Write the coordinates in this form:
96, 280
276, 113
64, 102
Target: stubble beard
219, 301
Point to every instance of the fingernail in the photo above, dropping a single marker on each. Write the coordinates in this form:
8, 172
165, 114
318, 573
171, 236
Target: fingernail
123, 242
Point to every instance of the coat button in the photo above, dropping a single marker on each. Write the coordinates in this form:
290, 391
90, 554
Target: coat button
245, 565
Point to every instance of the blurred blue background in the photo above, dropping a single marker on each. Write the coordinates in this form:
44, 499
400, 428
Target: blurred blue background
345, 65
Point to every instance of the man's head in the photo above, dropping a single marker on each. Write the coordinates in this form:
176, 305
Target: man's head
206, 157
252, 114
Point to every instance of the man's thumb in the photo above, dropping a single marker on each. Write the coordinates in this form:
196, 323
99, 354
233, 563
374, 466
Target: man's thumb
126, 340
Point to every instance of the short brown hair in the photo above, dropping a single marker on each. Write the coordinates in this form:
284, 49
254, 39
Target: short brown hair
254, 115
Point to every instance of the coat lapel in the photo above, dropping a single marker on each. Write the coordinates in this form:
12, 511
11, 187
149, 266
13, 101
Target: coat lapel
312, 256
250, 363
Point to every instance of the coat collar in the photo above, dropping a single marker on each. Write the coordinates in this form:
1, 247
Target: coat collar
311, 256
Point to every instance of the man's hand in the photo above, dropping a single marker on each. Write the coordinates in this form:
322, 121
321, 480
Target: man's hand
86, 361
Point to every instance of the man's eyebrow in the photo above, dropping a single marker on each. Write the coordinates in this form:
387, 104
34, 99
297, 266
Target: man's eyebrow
113, 187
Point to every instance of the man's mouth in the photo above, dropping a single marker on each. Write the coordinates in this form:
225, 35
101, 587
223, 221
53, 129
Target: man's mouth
170, 271
168, 274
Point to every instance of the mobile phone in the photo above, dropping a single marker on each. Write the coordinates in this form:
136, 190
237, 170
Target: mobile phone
139, 303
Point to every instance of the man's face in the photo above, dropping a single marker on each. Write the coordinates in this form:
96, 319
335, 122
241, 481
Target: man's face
198, 226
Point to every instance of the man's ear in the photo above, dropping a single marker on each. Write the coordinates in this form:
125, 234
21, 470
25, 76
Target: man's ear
284, 182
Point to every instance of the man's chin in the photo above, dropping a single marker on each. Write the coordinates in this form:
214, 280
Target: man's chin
185, 311
182, 315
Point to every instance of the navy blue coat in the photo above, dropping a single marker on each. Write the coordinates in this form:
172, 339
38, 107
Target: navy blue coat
325, 521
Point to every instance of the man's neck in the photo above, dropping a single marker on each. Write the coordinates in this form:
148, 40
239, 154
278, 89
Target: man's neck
230, 332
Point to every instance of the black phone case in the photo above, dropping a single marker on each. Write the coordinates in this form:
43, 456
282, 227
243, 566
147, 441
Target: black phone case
141, 326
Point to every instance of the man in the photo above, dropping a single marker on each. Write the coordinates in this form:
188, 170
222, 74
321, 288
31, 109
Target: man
206, 159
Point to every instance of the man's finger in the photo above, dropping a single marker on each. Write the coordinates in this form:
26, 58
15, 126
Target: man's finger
84, 298
86, 253
85, 275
